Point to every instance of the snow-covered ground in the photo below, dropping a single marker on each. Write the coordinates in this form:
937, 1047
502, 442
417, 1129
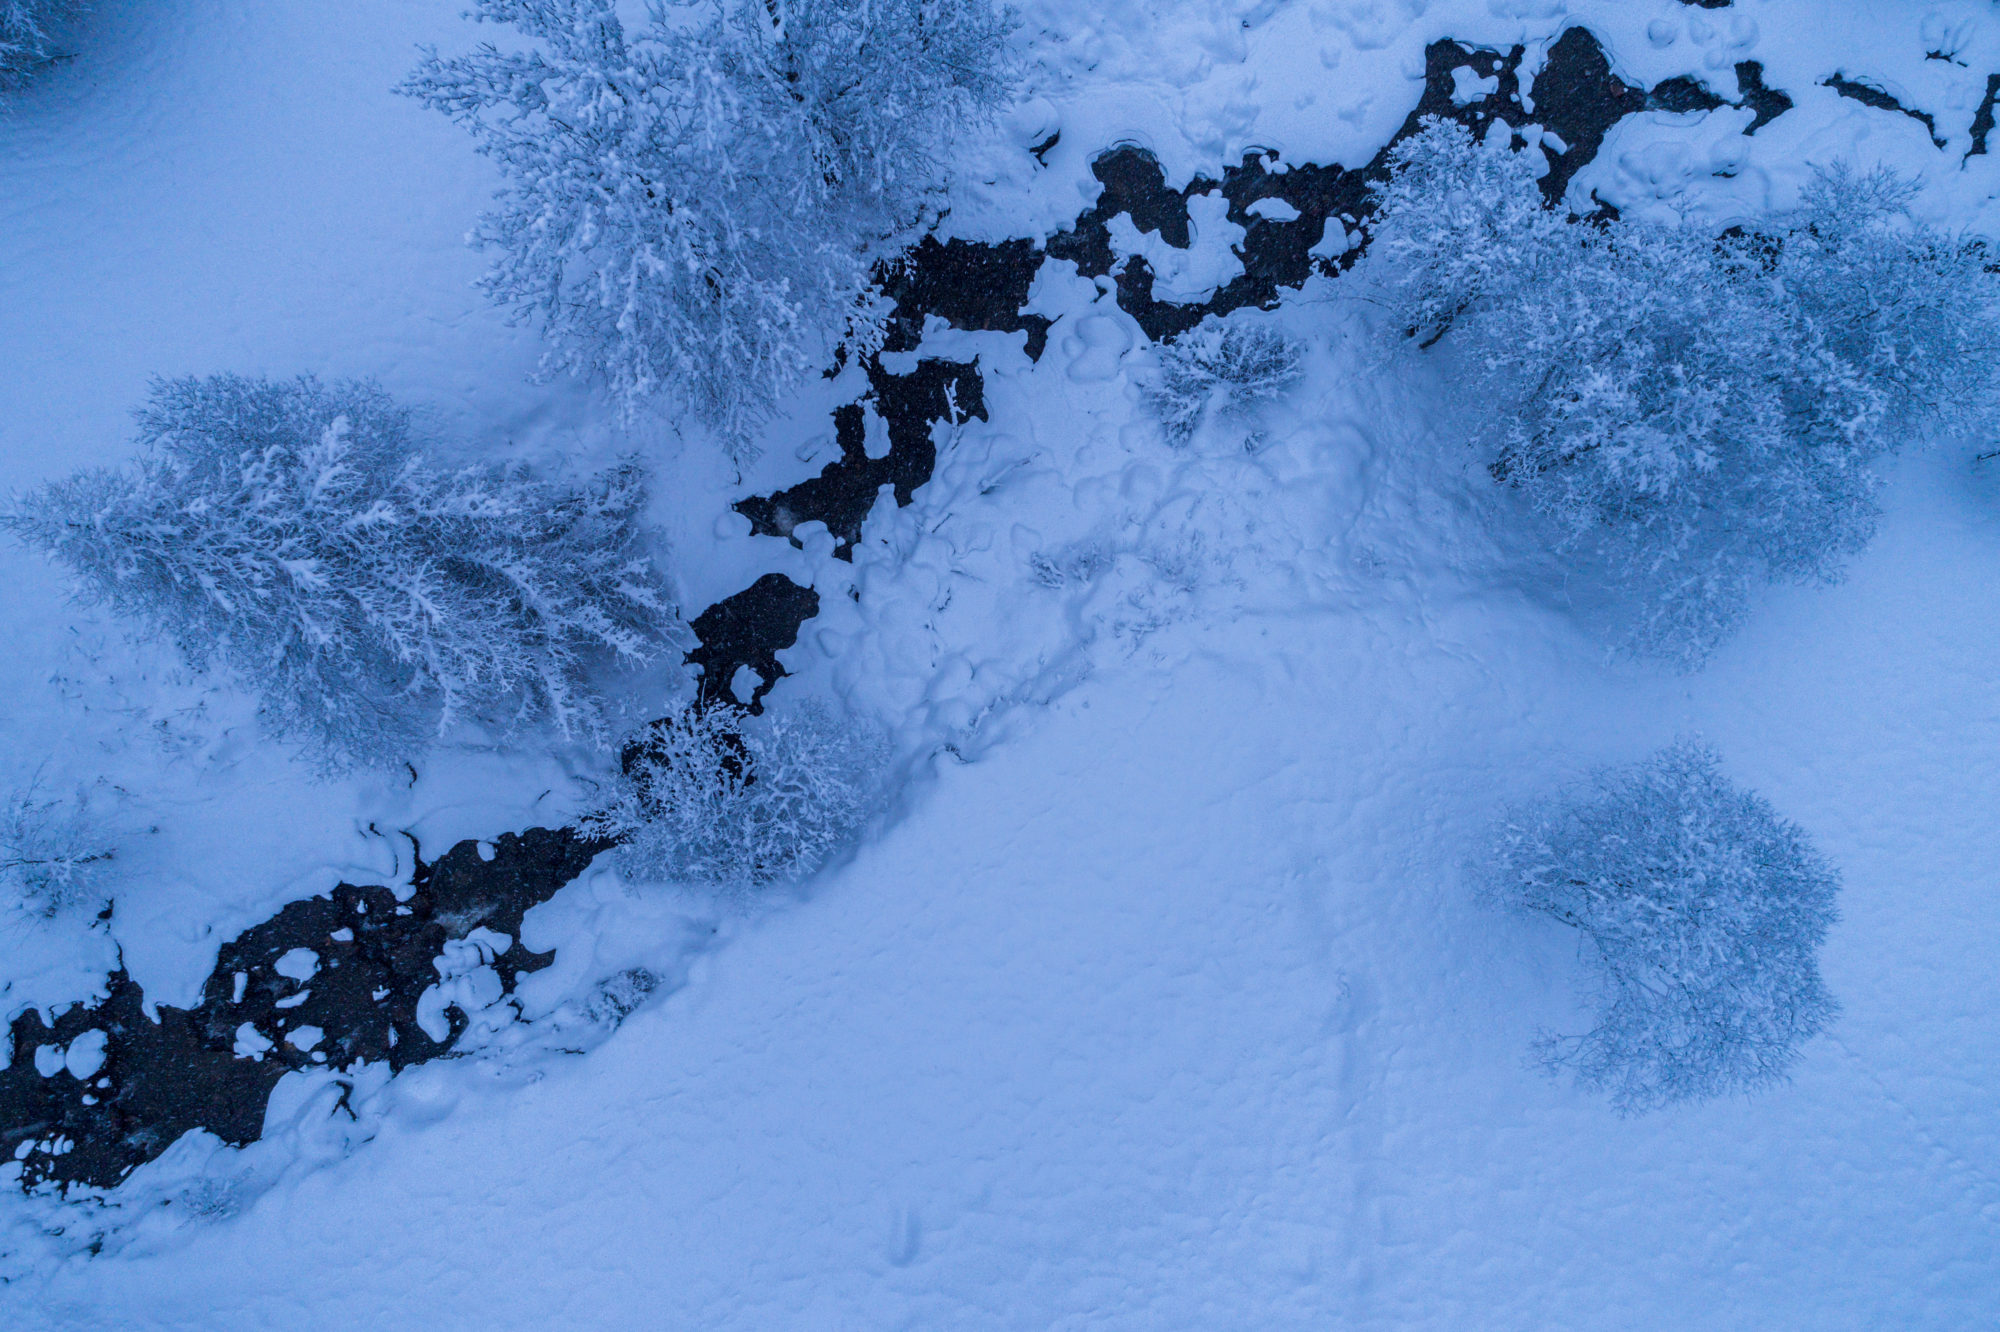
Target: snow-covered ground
1159, 999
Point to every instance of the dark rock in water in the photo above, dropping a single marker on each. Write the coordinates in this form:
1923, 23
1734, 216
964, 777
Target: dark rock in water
1869, 95
845, 490
750, 629
360, 991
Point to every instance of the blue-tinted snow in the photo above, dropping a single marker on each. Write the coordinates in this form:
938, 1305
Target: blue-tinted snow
1166, 1009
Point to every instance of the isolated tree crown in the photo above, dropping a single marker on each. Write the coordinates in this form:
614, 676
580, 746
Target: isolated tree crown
693, 209
290, 532
1705, 410
1703, 913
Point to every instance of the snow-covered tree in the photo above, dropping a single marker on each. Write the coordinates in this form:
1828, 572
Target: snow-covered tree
1704, 409
290, 532
1703, 913
717, 797
693, 207
27, 35
51, 854
1232, 363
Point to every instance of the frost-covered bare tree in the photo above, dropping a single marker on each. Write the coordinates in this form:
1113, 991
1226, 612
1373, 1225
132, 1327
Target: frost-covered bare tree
1705, 409
27, 36
1232, 364
290, 532
692, 207
717, 797
51, 854
1703, 913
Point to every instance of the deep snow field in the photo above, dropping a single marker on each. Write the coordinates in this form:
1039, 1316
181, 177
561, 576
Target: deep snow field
1158, 998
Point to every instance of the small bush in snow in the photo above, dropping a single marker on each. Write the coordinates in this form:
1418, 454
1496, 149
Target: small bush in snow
289, 532
27, 35
695, 206
1704, 913
1233, 364
50, 854
1704, 409
717, 797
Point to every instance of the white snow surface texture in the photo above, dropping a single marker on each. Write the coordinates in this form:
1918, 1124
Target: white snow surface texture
1159, 1000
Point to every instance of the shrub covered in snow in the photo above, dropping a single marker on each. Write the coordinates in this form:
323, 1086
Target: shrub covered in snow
50, 854
27, 31
718, 797
694, 206
289, 532
1704, 409
1231, 363
1704, 913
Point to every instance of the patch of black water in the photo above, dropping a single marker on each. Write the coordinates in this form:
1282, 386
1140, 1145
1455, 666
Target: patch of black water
846, 489
749, 629
1768, 103
1869, 95
971, 285
213, 1066
1577, 98
1682, 94
1275, 253
1982, 119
